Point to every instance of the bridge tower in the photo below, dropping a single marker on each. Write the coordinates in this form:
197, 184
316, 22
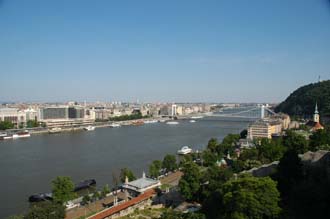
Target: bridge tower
262, 111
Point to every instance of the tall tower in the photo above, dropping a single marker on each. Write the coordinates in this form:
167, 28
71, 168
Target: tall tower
316, 114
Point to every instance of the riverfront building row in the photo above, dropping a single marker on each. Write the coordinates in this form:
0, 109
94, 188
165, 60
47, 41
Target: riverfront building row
74, 114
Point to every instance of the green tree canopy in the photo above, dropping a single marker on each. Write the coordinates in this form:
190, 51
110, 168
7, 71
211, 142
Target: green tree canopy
209, 158
126, 172
6, 125
169, 162
46, 210
189, 183
62, 189
245, 198
319, 138
294, 141
212, 145
154, 168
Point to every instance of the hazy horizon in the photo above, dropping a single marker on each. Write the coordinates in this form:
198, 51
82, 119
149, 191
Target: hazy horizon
171, 51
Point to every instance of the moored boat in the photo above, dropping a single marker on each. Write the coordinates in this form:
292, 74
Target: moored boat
54, 130
115, 125
185, 150
172, 123
192, 121
23, 134
89, 128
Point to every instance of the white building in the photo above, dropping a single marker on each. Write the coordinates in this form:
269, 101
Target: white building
13, 115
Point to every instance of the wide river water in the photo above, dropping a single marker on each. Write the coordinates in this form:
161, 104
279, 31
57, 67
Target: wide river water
27, 166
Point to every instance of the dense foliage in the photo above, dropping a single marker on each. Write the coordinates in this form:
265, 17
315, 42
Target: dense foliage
169, 162
32, 124
63, 189
190, 182
154, 168
302, 101
127, 117
243, 198
46, 210
6, 125
125, 172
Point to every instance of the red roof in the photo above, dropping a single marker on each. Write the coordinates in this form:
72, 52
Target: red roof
146, 195
318, 126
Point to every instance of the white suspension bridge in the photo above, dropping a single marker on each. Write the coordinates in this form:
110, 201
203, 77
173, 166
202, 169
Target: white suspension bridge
249, 112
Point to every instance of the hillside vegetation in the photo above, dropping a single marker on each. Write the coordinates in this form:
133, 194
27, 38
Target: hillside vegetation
302, 101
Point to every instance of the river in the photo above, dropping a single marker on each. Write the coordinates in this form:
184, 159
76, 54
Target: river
27, 166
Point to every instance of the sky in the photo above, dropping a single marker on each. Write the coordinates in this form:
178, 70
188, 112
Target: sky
161, 51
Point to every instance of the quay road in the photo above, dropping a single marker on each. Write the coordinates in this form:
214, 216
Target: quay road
97, 206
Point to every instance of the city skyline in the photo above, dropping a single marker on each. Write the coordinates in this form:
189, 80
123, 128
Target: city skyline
187, 51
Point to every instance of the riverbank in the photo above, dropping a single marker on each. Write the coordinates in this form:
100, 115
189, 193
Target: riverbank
134, 122
29, 165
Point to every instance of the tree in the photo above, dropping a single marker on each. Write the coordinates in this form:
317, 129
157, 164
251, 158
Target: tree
6, 125
214, 178
32, 123
319, 138
154, 168
169, 162
212, 145
189, 183
46, 210
244, 198
209, 158
105, 191
270, 150
294, 141
63, 189
125, 172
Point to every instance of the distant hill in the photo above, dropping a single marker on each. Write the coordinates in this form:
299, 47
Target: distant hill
302, 101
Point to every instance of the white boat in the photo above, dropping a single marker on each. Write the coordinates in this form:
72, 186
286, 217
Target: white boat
15, 136
197, 117
115, 125
185, 150
192, 121
4, 136
172, 123
54, 130
162, 120
89, 128
22, 134
150, 121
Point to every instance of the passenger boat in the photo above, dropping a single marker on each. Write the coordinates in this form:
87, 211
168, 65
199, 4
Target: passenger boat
54, 130
22, 134
184, 150
89, 128
4, 136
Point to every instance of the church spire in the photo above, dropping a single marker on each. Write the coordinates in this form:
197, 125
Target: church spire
316, 110
316, 114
